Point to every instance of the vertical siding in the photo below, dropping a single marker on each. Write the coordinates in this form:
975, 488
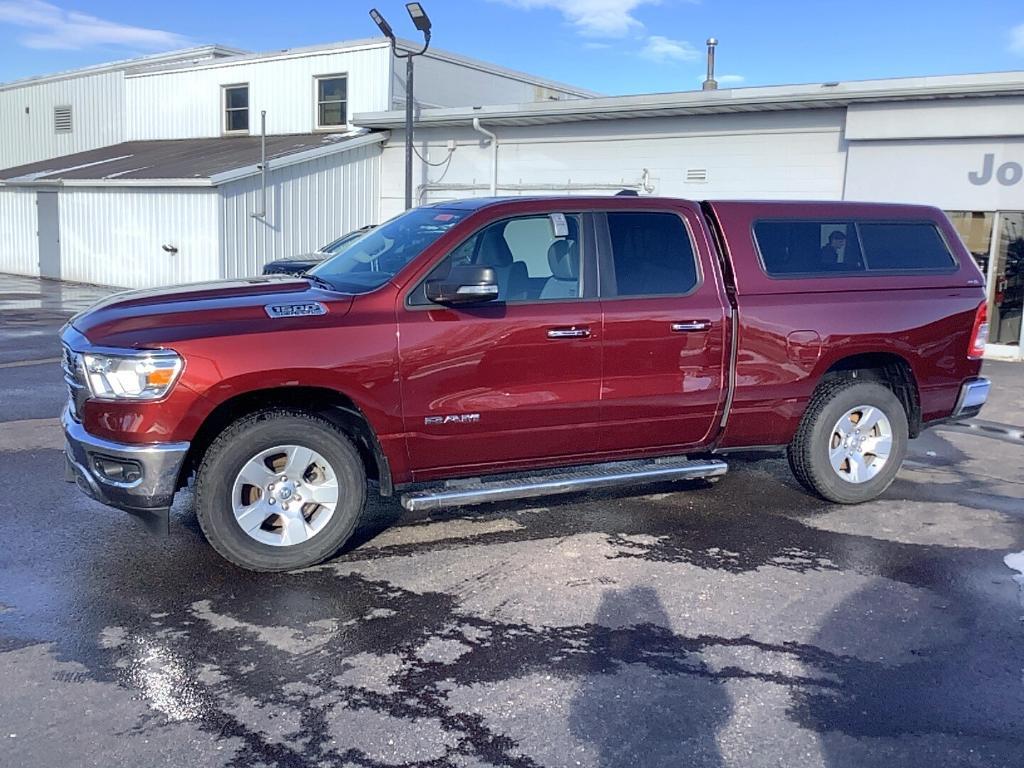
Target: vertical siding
114, 236
308, 205
19, 246
186, 104
445, 83
97, 107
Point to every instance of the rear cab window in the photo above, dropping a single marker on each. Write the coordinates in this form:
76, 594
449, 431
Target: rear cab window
851, 247
651, 254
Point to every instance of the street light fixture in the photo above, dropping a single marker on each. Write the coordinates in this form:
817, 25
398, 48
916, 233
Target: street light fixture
422, 22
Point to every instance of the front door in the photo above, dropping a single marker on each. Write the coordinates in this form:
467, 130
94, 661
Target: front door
665, 332
48, 232
514, 382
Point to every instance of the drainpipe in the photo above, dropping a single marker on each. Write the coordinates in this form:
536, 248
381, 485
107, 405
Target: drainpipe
262, 213
494, 154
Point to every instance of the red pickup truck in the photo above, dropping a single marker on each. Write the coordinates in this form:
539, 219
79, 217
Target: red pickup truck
503, 348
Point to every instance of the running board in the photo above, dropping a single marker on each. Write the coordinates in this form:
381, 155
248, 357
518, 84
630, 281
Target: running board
476, 491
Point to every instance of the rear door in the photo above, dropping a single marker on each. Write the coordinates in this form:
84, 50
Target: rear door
513, 382
665, 330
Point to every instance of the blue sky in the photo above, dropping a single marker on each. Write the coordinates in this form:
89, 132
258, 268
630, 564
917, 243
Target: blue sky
611, 46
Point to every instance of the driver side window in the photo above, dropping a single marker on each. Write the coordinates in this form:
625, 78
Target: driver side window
531, 261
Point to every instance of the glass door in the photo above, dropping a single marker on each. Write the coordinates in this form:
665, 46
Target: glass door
1006, 281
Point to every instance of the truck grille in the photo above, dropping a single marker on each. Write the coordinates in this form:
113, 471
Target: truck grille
71, 365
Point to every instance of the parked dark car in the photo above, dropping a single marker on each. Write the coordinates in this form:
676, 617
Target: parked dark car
525, 347
296, 265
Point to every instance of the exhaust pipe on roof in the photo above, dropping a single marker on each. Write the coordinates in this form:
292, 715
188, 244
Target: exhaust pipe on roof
710, 84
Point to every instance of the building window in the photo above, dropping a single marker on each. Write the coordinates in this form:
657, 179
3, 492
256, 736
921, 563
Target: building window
61, 119
331, 101
236, 108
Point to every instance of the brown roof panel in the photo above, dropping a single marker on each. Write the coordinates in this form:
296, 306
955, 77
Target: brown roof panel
171, 159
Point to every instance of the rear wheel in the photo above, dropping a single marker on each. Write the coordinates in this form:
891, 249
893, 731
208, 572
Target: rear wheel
280, 490
851, 441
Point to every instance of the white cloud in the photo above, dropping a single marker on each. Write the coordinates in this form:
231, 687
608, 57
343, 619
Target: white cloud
50, 27
594, 18
726, 79
659, 48
1017, 39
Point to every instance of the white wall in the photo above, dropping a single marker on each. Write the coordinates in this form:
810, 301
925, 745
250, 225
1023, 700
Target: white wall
19, 245
114, 236
938, 173
97, 114
184, 104
800, 154
444, 82
957, 119
308, 205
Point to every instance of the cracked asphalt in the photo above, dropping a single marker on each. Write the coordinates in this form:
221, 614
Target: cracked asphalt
739, 624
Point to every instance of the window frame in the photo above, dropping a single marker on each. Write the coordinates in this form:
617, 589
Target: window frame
316, 103
856, 223
606, 254
224, 109
589, 273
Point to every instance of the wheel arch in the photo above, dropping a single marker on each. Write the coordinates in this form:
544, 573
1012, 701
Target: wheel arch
888, 368
328, 403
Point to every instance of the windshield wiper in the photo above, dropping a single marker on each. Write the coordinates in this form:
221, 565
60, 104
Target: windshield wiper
320, 281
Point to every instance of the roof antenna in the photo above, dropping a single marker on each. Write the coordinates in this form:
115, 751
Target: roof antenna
711, 84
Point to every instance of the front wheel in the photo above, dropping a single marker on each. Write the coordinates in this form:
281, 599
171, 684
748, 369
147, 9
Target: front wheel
280, 490
851, 441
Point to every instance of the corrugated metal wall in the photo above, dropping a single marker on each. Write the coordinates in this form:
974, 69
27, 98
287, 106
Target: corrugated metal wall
97, 116
19, 246
308, 205
115, 236
187, 104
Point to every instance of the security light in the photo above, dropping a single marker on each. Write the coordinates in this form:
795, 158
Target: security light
419, 17
381, 22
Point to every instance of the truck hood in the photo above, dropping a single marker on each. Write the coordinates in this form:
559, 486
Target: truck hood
160, 316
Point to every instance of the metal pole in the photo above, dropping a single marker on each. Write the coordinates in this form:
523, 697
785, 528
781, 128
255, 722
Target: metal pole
408, 133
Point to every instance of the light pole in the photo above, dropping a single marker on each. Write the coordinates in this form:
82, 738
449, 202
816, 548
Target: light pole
422, 22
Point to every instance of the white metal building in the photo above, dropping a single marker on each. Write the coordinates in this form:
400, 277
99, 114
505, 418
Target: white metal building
955, 142
53, 115
156, 178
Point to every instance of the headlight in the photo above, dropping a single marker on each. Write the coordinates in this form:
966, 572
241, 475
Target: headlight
143, 375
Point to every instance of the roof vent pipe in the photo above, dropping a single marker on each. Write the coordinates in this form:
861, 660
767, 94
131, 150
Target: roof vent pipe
710, 84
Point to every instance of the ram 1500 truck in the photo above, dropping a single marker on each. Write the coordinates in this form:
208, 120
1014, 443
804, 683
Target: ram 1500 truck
502, 348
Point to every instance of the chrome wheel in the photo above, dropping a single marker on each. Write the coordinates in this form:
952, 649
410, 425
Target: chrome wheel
285, 495
860, 444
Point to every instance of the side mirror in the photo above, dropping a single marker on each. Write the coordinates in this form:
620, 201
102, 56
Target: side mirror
469, 284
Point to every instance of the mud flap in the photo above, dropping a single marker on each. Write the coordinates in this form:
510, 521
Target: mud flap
156, 521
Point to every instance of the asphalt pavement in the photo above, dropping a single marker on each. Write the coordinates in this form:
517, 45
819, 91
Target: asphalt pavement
738, 624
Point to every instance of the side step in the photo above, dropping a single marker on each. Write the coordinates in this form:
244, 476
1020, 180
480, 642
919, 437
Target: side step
476, 491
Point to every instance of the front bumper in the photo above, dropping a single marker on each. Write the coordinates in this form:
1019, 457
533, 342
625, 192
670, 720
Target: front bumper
973, 395
147, 495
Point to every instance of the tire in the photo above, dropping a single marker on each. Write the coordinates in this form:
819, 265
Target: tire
296, 532
832, 457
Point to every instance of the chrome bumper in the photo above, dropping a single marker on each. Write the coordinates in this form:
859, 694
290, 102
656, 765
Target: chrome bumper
149, 495
973, 395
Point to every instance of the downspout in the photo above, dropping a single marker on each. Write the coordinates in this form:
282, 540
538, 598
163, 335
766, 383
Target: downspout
494, 154
262, 213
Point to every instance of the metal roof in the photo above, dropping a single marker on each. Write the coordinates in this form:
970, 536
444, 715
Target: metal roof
182, 162
759, 99
181, 57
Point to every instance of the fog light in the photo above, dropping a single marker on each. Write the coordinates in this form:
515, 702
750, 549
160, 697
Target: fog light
117, 470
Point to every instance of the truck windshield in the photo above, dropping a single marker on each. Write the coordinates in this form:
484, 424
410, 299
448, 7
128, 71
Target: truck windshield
370, 260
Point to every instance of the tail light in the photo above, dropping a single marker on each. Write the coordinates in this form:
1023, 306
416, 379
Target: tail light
979, 334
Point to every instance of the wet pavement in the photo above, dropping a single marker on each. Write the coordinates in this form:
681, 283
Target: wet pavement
740, 624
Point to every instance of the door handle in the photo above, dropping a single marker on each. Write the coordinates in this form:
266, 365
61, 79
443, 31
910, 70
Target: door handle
687, 326
569, 333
